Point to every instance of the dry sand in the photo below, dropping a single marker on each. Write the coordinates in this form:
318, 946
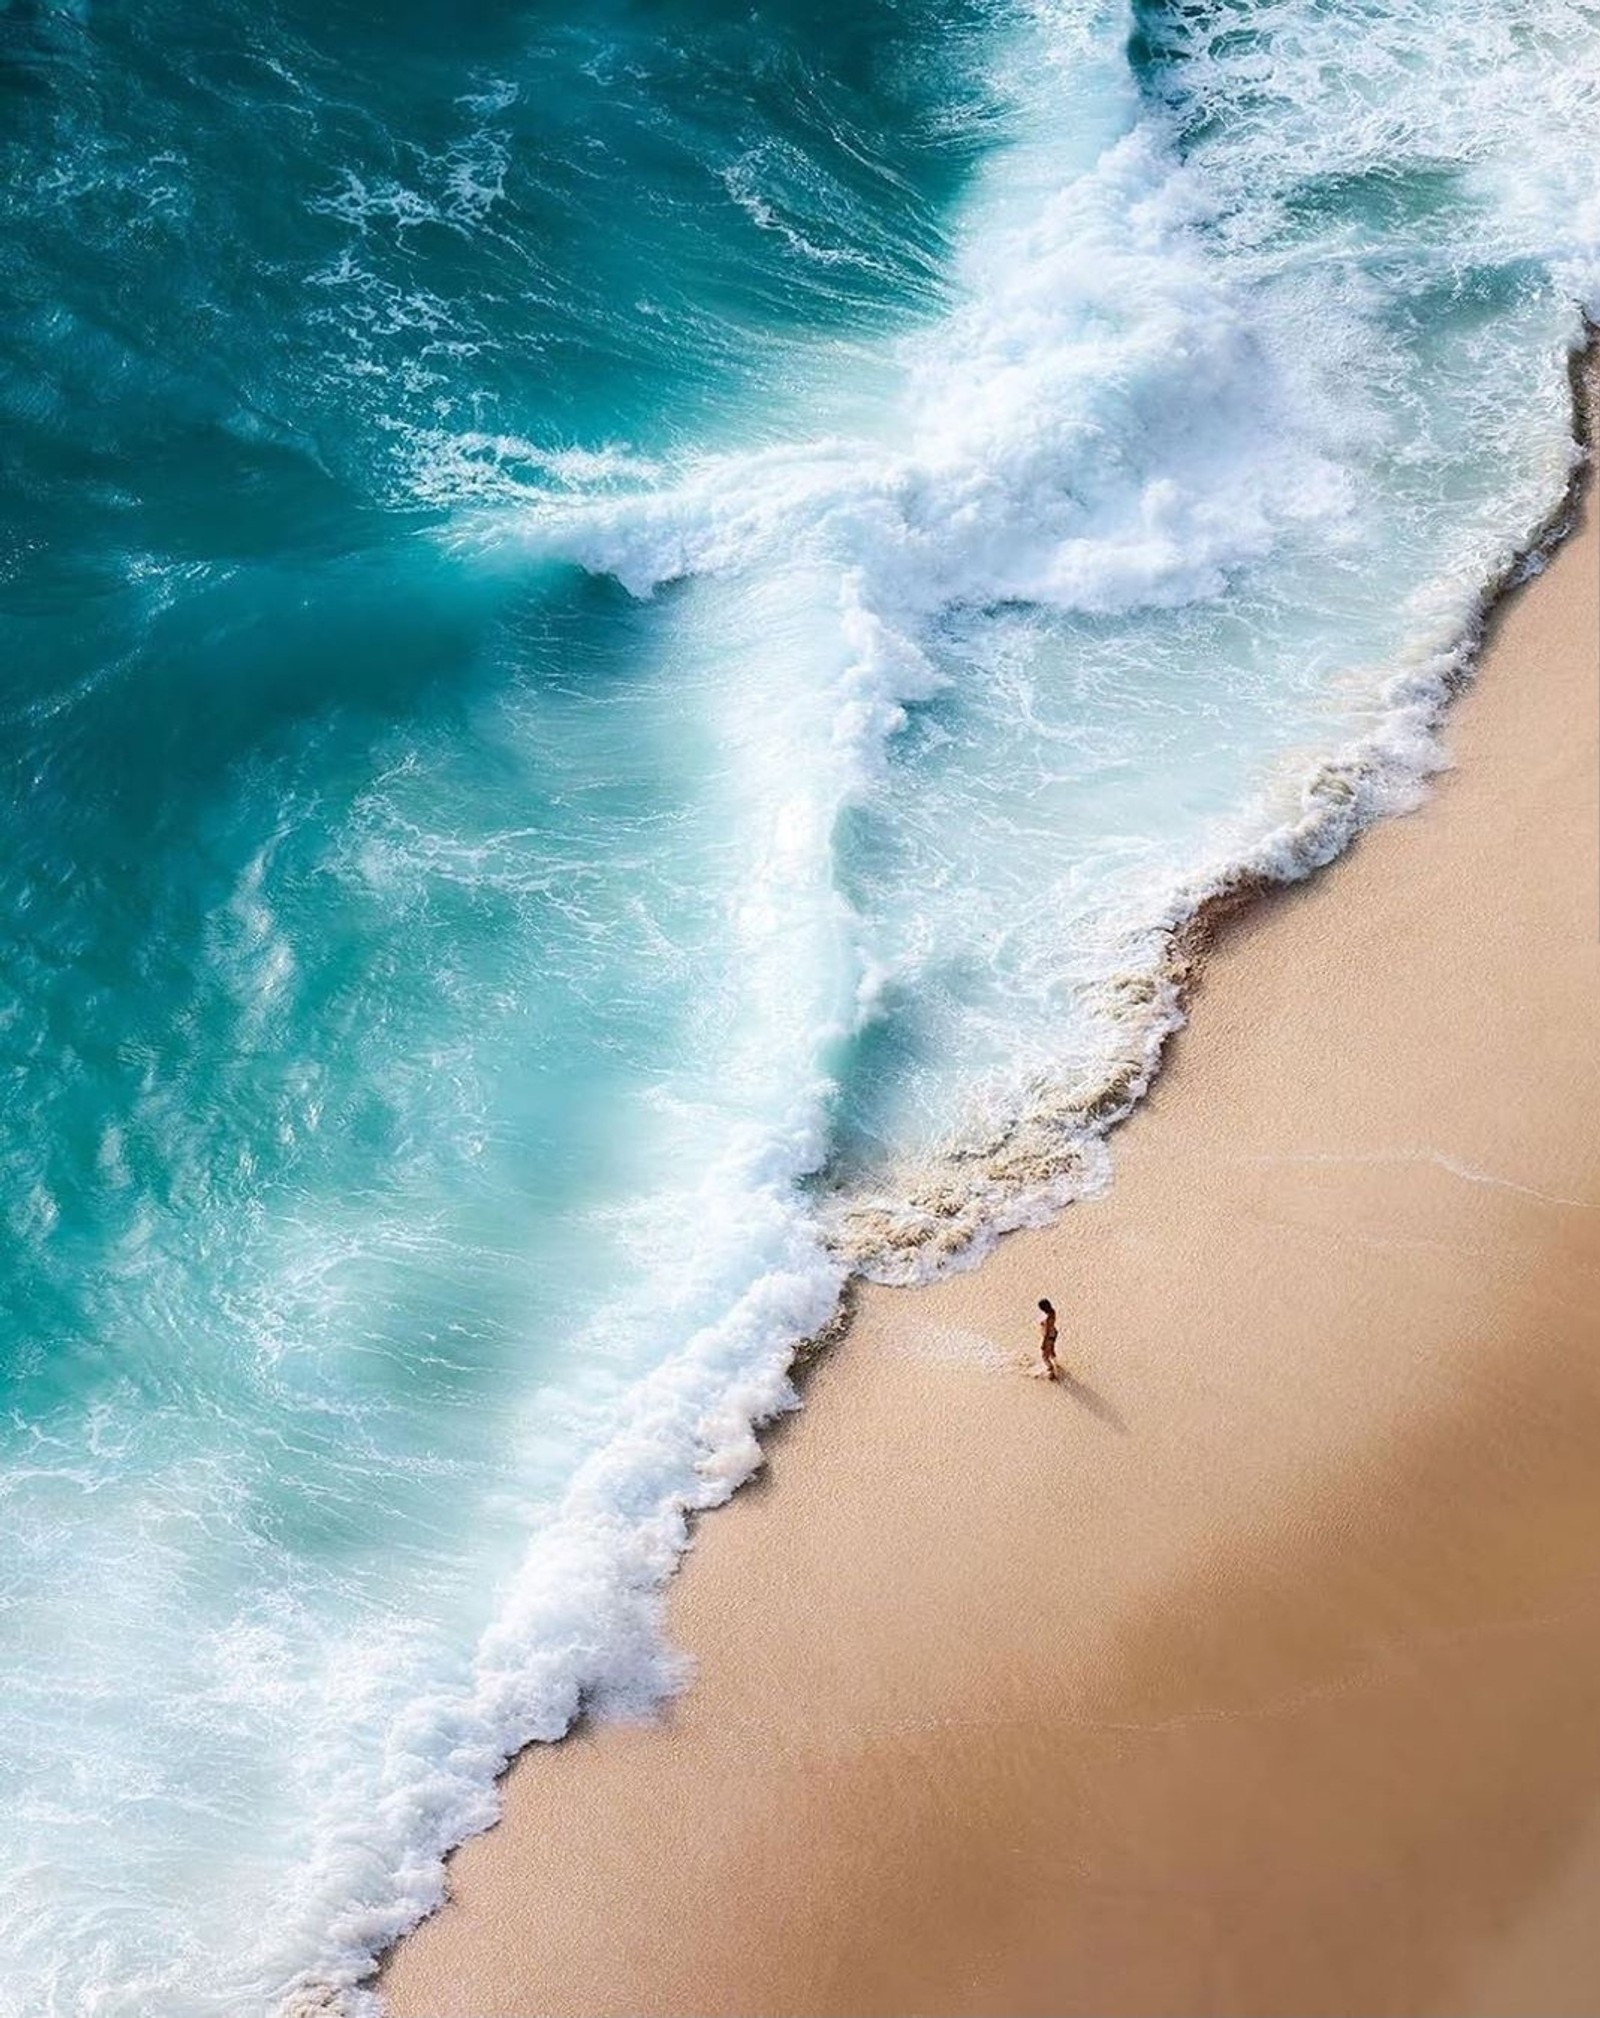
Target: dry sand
1258, 1668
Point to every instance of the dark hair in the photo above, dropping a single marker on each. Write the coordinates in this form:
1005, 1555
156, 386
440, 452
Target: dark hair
1047, 1306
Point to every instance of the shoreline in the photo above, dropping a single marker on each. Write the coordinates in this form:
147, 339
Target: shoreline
660, 1868
1046, 1159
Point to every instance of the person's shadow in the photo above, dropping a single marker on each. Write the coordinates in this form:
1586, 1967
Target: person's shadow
1097, 1405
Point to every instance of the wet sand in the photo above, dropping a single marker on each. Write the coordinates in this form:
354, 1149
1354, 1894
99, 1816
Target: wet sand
1257, 1667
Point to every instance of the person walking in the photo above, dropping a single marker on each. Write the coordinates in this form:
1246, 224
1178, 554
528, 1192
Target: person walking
1047, 1338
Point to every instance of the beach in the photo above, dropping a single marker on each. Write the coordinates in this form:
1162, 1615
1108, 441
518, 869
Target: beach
1256, 1666
667, 669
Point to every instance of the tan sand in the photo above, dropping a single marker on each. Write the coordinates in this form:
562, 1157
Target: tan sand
1256, 1670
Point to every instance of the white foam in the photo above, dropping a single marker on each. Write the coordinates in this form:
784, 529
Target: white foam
1147, 390
743, 181
580, 1626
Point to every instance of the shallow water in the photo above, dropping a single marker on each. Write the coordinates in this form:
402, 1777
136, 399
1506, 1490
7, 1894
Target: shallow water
622, 637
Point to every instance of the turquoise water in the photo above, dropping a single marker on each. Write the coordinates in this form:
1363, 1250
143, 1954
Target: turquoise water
622, 637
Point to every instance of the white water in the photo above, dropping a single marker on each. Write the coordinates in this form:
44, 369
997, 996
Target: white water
1181, 517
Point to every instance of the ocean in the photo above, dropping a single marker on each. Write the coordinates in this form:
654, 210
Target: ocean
629, 639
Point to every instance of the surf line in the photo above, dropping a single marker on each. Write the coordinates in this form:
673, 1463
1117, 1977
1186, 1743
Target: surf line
1439, 1160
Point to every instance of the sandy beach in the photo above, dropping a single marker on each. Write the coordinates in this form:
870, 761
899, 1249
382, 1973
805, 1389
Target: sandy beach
1256, 1667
